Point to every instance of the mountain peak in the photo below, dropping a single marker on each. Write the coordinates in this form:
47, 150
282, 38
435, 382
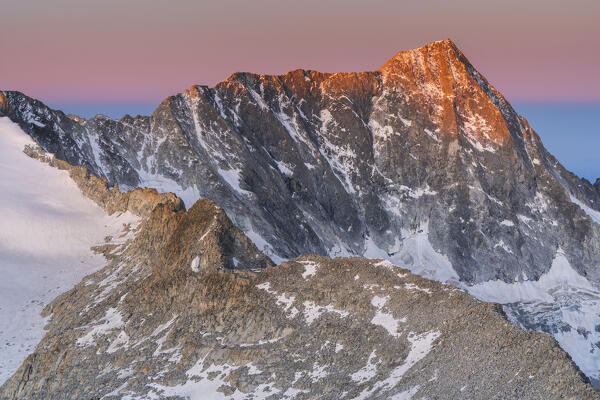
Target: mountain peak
436, 49
439, 78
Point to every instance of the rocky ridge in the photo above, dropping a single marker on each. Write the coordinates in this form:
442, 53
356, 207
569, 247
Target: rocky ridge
138, 201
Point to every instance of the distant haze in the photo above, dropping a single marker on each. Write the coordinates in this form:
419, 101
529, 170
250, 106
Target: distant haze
117, 57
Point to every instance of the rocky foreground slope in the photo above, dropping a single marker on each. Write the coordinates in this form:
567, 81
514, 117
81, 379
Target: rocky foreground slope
189, 308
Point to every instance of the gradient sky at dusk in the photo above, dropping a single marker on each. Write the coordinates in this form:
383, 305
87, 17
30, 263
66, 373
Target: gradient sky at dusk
125, 56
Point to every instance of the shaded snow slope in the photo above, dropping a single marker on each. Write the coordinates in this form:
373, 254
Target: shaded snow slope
562, 303
47, 227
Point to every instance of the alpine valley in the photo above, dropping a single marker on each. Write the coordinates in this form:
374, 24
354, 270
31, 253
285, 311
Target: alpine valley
388, 200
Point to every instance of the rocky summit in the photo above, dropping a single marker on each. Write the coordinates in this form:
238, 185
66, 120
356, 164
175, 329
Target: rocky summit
188, 307
422, 163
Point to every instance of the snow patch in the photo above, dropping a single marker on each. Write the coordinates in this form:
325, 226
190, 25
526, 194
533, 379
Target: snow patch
122, 340
232, 177
560, 275
312, 311
417, 254
195, 264
431, 135
421, 345
405, 395
266, 286
310, 269
287, 303
262, 245
367, 372
384, 319
318, 372
112, 320
381, 132
200, 385
503, 246
593, 214
285, 168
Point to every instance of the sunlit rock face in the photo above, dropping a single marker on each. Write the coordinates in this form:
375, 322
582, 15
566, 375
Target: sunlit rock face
422, 162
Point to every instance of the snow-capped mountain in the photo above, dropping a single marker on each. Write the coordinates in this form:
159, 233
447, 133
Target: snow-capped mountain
422, 162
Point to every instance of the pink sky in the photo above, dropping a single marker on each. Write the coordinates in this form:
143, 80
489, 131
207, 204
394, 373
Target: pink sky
141, 51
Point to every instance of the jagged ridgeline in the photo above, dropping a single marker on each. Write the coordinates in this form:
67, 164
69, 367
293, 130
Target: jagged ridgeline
190, 308
352, 164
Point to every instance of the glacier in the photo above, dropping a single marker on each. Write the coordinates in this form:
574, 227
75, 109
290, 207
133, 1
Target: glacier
47, 227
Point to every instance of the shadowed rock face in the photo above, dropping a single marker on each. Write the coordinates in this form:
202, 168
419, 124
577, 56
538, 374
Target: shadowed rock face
189, 308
